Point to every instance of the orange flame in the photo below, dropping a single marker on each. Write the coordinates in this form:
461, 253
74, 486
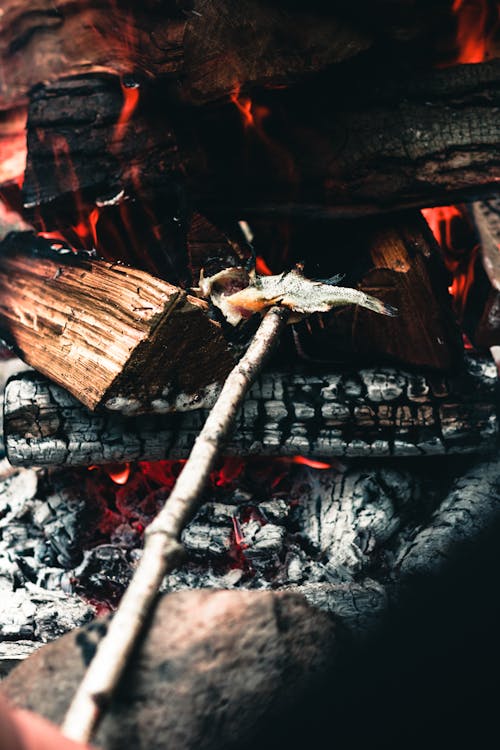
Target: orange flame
311, 463
460, 263
252, 114
439, 220
475, 28
262, 267
130, 102
118, 473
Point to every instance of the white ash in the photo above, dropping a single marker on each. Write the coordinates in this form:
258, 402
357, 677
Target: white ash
31, 539
470, 510
344, 539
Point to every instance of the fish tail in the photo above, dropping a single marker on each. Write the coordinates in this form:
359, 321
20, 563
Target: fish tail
372, 303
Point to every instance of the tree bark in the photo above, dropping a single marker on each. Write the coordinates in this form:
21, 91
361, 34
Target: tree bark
111, 335
370, 412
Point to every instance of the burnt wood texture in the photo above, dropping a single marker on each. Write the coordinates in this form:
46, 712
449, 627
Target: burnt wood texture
110, 334
211, 46
318, 150
370, 412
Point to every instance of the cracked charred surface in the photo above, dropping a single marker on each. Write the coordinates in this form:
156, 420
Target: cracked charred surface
367, 412
378, 142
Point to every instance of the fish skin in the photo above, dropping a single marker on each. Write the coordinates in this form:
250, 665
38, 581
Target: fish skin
301, 295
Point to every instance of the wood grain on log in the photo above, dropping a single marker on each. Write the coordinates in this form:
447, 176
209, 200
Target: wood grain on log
375, 145
354, 413
110, 334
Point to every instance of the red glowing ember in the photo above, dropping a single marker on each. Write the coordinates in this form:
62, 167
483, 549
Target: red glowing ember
252, 114
477, 22
261, 267
302, 460
459, 261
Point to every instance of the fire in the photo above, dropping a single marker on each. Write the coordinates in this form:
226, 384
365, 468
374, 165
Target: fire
120, 476
439, 220
459, 261
261, 267
476, 25
252, 114
303, 461
119, 473
130, 102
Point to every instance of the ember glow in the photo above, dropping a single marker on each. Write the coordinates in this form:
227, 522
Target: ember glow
252, 114
303, 461
130, 102
439, 220
459, 261
477, 22
261, 267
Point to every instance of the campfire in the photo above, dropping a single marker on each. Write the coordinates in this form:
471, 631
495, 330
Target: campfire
250, 300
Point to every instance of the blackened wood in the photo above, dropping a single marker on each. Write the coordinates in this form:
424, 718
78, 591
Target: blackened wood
353, 145
212, 46
112, 335
371, 412
332, 148
398, 261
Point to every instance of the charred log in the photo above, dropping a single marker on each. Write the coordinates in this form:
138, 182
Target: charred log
354, 413
213, 47
110, 334
373, 146
360, 144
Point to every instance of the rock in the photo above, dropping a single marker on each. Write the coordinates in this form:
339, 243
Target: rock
213, 669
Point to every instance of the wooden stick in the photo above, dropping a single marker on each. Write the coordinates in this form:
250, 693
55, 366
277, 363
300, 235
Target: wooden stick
163, 549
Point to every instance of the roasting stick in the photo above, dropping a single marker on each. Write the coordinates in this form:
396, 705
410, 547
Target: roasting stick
297, 296
163, 550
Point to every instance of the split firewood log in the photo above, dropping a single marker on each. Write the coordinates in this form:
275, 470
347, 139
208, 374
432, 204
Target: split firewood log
113, 336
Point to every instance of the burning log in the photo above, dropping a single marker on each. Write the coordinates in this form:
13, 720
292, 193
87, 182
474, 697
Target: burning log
370, 412
397, 260
372, 146
111, 335
213, 47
